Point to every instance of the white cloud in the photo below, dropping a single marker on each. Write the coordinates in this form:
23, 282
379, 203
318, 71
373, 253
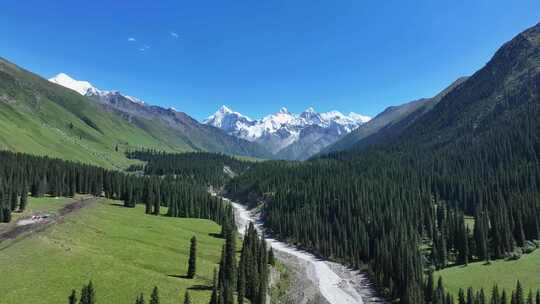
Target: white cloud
144, 48
175, 35
131, 39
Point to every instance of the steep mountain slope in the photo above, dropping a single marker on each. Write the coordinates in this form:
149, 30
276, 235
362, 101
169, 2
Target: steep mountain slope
500, 97
288, 135
390, 123
39, 117
476, 153
168, 124
42, 118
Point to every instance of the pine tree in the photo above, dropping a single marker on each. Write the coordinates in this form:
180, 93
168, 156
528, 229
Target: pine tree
72, 299
192, 263
14, 202
271, 258
461, 297
429, 290
24, 198
214, 296
520, 298
88, 295
504, 297
187, 298
495, 297
154, 297
140, 299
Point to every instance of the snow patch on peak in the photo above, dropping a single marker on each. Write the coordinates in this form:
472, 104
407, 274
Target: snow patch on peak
359, 117
224, 109
284, 110
309, 110
81, 87
283, 128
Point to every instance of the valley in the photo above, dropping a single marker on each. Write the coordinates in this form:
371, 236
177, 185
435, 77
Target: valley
333, 282
109, 198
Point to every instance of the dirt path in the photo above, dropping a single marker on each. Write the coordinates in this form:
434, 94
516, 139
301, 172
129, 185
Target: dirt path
27, 226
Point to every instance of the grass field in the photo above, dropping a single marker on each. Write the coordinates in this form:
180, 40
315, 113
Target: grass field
123, 251
503, 273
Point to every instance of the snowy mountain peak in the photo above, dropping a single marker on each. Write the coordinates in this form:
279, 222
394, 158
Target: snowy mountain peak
224, 109
359, 117
278, 131
284, 110
309, 110
81, 87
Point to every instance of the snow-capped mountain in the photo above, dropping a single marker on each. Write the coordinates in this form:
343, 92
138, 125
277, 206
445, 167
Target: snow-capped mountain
288, 135
168, 121
81, 87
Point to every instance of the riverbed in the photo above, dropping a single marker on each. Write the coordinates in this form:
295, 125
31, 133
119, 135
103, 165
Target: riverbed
333, 283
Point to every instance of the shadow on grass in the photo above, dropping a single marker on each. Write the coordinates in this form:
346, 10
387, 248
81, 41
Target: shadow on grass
118, 205
200, 287
178, 276
216, 235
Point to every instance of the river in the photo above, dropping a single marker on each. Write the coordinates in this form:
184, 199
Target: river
336, 283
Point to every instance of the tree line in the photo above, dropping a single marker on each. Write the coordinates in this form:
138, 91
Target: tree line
23, 174
212, 169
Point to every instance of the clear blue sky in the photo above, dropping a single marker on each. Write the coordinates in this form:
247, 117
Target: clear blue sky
257, 56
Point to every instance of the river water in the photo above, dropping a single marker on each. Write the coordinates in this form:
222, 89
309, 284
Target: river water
336, 283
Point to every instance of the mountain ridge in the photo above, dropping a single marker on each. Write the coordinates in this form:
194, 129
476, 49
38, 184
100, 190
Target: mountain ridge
285, 134
197, 136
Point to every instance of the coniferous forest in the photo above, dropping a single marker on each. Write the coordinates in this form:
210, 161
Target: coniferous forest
21, 174
378, 205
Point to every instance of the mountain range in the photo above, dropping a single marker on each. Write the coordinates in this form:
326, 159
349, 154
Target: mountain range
287, 135
199, 137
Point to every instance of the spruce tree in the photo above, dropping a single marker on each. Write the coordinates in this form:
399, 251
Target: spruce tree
187, 298
461, 297
140, 299
24, 199
154, 297
192, 262
271, 258
88, 294
72, 299
214, 296
520, 298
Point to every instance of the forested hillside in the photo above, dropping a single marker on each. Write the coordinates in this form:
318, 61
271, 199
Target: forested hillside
476, 154
21, 174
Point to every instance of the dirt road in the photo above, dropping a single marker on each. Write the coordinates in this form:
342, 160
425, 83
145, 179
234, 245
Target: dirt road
38, 222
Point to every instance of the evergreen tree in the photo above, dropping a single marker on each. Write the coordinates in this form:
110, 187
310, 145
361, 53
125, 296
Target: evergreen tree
154, 297
271, 258
88, 294
24, 198
214, 297
520, 298
72, 299
192, 263
140, 299
461, 297
187, 298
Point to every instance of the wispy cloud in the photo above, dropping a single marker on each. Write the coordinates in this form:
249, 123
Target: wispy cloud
144, 48
174, 35
131, 39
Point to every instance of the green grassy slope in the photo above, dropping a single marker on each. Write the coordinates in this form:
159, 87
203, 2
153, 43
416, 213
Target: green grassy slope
122, 250
500, 272
42, 118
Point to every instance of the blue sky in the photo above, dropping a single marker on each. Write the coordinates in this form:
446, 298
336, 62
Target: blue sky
256, 56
